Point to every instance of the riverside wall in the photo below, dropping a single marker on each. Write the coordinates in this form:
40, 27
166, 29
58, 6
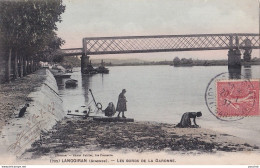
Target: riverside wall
44, 111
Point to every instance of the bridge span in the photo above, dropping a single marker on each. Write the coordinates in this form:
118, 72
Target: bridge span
234, 43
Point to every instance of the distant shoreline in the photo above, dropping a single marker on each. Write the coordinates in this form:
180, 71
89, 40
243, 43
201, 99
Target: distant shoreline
205, 63
216, 63
74, 62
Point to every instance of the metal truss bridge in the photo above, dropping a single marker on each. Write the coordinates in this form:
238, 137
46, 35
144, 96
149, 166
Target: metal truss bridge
163, 43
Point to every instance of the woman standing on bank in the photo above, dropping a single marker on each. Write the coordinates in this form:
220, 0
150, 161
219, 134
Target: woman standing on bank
121, 104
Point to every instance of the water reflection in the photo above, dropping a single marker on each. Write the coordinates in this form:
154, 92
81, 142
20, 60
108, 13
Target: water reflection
240, 72
85, 87
234, 72
247, 72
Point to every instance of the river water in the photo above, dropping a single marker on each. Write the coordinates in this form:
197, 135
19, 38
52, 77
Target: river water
161, 94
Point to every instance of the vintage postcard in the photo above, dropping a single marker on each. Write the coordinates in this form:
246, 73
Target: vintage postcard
129, 82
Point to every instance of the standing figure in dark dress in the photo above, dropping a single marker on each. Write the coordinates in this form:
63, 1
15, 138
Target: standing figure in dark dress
121, 104
185, 119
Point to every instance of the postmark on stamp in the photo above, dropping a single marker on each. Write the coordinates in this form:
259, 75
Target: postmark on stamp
231, 100
237, 98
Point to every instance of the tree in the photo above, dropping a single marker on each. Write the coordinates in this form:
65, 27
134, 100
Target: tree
53, 43
28, 27
186, 61
176, 61
8, 23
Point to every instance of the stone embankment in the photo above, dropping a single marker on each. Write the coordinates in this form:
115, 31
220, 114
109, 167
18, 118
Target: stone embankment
45, 109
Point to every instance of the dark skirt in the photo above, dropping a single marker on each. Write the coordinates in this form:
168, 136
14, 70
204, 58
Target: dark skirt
185, 121
121, 103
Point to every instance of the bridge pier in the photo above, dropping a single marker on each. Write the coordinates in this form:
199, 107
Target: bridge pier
84, 62
234, 58
234, 72
247, 55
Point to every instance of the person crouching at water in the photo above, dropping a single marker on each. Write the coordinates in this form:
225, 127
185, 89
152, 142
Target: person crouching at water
185, 119
121, 104
110, 110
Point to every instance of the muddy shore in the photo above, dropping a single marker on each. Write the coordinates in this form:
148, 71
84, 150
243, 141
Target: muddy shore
76, 133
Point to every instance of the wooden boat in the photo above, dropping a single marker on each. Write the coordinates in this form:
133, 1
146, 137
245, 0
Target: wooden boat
62, 76
71, 83
90, 70
102, 69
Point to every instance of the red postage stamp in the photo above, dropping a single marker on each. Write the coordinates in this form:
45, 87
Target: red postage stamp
237, 98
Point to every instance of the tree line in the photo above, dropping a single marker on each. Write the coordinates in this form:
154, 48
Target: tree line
28, 33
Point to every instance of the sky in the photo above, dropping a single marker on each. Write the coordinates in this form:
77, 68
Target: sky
104, 18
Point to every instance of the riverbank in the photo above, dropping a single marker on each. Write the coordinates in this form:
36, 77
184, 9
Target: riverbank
77, 135
14, 95
45, 109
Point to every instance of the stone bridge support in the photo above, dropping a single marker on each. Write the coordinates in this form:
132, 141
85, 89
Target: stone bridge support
234, 58
84, 62
247, 55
